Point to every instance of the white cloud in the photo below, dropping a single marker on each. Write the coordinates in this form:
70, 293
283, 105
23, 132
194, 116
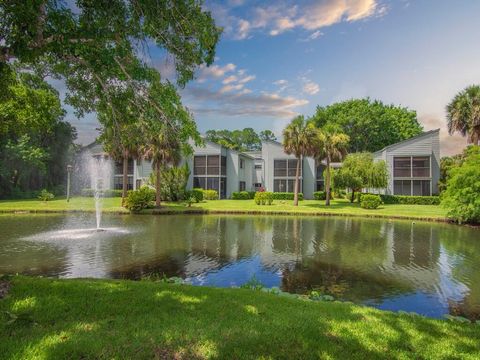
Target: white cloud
214, 71
229, 79
310, 87
247, 79
243, 29
230, 88
282, 84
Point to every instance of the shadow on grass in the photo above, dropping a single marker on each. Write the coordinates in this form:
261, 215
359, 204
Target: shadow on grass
106, 319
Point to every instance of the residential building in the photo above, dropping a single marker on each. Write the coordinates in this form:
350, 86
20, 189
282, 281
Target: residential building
413, 166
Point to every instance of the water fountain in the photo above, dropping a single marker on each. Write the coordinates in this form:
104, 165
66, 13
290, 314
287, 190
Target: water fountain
99, 169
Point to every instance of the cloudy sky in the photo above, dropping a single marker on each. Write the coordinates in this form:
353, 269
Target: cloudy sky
276, 60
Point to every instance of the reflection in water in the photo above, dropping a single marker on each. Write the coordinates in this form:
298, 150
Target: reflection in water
397, 265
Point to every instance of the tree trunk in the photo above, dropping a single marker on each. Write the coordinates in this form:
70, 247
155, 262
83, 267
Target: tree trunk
327, 183
353, 196
157, 184
125, 177
295, 192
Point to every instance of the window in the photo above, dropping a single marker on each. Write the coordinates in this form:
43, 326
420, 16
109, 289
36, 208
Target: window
279, 167
242, 186
402, 167
138, 183
402, 187
421, 188
421, 166
223, 188
292, 167
199, 182
119, 167
257, 185
213, 165
279, 185
319, 170
213, 183
258, 166
320, 185
241, 163
118, 183
199, 165
224, 166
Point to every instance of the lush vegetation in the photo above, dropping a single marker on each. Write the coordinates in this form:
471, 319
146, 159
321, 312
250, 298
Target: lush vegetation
286, 196
241, 140
196, 194
210, 194
243, 195
360, 171
463, 114
461, 197
173, 183
370, 201
139, 199
36, 144
319, 195
105, 193
263, 198
47, 318
370, 125
410, 200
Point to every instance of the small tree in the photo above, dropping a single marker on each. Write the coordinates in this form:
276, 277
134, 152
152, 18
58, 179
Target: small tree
461, 196
299, 139
331, 145
360, 171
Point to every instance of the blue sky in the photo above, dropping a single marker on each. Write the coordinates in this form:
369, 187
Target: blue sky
282, 58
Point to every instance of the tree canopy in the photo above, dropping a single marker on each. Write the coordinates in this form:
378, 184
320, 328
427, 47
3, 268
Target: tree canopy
240, 140
463, 114
370, 124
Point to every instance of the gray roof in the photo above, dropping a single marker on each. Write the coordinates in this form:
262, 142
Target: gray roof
426, 133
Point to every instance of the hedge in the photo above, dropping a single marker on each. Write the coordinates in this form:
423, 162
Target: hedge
319, 195
106, 193
243, 195
196, 194
369, 201
410, 200
210, 194
286, 196
264, 198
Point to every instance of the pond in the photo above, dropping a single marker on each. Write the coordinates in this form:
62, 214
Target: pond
429, 268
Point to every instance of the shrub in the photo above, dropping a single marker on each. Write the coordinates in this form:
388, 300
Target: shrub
368, 201
410, 200
319, 195
461, 197
197, 194
44, 195
140, 199
241, 195
210, 194
173, 182
105, 193
286, 196
264, 198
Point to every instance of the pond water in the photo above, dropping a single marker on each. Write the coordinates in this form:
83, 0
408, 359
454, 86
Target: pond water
432, 269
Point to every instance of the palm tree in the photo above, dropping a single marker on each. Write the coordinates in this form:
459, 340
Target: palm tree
299, 139
332, 146
163, 148
463, 114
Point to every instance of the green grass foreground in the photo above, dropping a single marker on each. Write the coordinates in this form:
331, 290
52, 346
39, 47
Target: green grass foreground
86, 319
309, 207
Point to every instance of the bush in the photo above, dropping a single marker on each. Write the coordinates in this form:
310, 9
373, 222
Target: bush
106, 193
264, 198
368, 201
242, 195
45, 195
173, 182
286, 196
197, 194
319, 195
140, 199
210, 194
461, 197
410, 200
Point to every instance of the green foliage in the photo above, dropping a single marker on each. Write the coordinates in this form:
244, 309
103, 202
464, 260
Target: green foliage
253, 284
267, 135
369, 201
105, 193
319, 195
197, 194
410, 200
35, 143
449, 162
463, 188
140, 199
210, 194
243, 195
286, 196
173, 183
360, 170
44, 195
370, 125
240, 140
463, 114
264, 197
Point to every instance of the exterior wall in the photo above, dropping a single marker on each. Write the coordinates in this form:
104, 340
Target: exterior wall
427, 144
274, 151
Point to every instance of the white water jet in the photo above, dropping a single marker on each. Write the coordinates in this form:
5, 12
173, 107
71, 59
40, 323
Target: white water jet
100, 169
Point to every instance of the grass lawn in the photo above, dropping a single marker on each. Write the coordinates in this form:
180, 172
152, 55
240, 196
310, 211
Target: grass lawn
86, 319
311, 207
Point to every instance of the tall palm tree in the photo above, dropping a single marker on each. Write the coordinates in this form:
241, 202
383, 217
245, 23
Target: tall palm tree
463, 114
299, 139
163, 148
332, 146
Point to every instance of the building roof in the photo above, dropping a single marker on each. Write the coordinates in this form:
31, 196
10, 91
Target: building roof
426, 133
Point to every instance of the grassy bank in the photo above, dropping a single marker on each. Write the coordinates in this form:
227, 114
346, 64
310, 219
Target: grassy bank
309, 207
144, 320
